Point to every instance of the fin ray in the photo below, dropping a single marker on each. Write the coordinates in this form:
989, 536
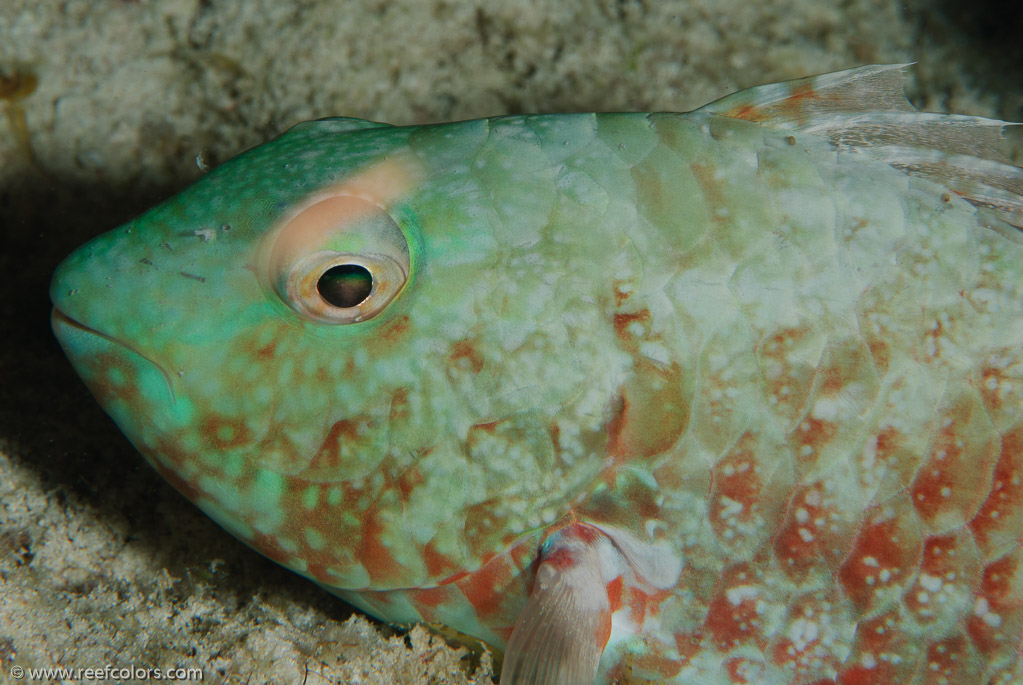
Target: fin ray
560, 634
864, 110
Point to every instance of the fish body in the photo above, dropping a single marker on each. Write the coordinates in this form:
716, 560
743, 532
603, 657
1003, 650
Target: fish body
731, 396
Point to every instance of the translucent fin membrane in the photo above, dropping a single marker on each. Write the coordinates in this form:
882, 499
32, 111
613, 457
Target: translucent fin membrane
865, 110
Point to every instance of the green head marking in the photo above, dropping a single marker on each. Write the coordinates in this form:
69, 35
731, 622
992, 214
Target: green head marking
340, 343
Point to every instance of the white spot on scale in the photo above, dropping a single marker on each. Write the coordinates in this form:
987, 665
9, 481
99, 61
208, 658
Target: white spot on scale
737, 595
827, 408
930, 583
983, 610
730, 507
802, 632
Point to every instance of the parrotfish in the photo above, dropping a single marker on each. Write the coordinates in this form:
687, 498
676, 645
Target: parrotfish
726, 396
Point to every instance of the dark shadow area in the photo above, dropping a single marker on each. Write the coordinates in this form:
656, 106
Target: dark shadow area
985, 35
989, 28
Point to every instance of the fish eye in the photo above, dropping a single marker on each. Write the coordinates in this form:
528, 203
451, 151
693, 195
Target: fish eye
345, 285
338, 259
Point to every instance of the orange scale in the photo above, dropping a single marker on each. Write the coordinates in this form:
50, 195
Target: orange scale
486, 589
807, 644
884, 652
653, 667
376, 556
642, 604
689, 645
745, 671
811, 436
996, 625
805, 545
955, 478
268, 546
437, 564
345, 438
734, 615
224, 432
186, 486
948, 565
786, 379
736, 494
430, 598
999, 521
884, 557
952, 660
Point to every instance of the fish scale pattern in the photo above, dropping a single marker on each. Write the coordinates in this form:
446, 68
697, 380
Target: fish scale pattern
718, 340
848, 543
834, 476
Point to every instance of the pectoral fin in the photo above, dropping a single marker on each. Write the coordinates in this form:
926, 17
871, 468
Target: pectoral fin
561, 633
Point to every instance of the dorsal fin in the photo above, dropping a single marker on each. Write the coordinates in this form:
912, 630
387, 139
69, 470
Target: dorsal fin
338, 124
865, 110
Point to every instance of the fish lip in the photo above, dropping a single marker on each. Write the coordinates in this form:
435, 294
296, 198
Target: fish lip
59, 318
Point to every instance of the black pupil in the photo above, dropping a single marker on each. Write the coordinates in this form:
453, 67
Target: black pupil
345, 285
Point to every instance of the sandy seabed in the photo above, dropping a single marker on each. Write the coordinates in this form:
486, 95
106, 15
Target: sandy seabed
105, 106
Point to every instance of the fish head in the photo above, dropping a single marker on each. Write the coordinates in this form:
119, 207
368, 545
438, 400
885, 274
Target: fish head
334, 346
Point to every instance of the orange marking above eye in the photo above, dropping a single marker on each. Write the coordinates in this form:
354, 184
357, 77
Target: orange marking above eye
386, 180
377, 186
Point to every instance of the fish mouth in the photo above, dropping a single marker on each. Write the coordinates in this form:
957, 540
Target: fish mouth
59, 318
75, 337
